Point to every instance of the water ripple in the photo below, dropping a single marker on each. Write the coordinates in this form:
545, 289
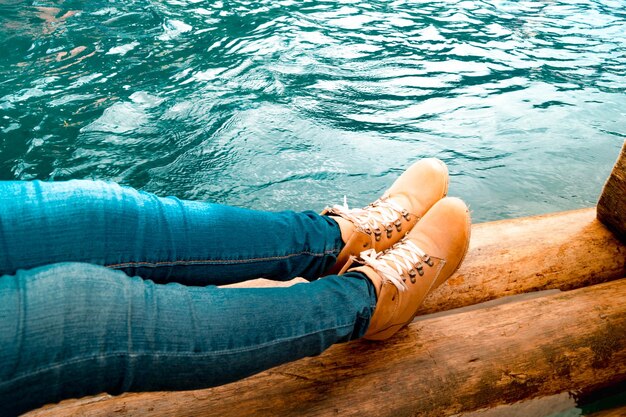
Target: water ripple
285, 104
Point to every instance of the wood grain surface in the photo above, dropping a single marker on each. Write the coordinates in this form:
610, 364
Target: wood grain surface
612, 203
562, 250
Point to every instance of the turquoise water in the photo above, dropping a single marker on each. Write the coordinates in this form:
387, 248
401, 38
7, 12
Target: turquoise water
293, 104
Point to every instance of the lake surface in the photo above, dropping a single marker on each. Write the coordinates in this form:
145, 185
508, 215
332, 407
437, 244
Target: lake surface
294, 104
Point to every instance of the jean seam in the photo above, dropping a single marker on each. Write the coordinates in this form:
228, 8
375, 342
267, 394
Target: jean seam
217, 261
171, 354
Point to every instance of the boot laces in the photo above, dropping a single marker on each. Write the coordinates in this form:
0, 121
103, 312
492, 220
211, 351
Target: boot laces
402, 258
382, 211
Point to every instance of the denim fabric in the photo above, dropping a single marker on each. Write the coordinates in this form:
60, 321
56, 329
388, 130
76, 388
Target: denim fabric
163, 239
73, 325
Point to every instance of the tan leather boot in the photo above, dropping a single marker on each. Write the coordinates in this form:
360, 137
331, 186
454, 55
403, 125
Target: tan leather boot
391, 217
411, 269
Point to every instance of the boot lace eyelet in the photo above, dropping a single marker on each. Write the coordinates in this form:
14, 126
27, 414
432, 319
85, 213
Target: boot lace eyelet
399, 264
381, 214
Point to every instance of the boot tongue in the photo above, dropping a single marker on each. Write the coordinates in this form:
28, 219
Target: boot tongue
381, 213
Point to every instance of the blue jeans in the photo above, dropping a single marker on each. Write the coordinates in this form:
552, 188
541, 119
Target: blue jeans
109, 289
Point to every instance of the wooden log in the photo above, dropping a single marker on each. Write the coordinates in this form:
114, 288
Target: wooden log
612, 203
562, 250
436, 367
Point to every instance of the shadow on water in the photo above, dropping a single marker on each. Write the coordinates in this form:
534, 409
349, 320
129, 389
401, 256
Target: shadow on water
566, 404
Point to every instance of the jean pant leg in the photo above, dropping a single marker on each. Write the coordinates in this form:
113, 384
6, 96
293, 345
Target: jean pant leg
163, 239
69, 330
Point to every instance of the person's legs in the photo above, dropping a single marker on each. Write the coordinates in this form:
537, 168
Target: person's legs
163, 239
72, 329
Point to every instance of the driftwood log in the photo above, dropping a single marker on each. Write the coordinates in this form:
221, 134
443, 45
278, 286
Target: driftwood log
612, 203
563, 250
437, 366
